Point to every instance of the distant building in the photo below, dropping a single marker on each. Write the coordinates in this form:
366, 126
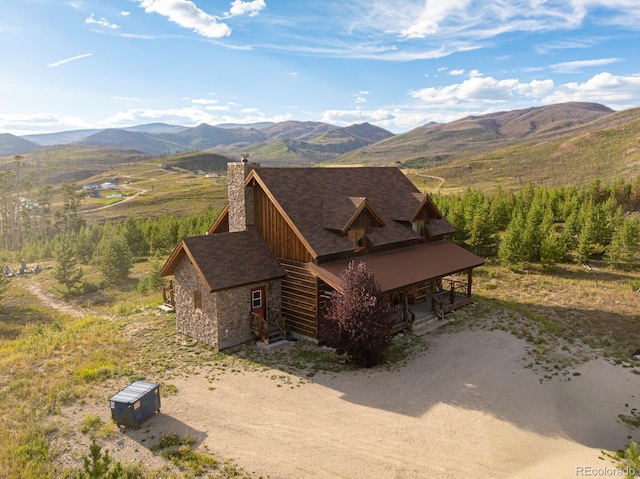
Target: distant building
107, 185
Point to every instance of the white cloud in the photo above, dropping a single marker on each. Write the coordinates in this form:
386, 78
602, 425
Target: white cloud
203, 101
102, 22
249, 110
482, 95
484, 89
125, 98
191, 116
25, 124
475, 73
348, 117
186, 14
618, 92
456, 72
125, 13
578, 65
252, 8
361, 96
67, 60
434, 12
567, 44
188, 116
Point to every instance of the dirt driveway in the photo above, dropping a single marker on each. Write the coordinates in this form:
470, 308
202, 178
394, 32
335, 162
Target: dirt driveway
466, 407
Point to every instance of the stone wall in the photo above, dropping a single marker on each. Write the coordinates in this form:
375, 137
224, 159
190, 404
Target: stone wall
225, 317
240, 197
201, 324
234, 311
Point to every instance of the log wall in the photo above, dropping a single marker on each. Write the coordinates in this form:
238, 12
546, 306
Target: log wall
300, 299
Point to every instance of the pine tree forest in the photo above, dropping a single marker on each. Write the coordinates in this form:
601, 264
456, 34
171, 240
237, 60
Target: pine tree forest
544, 225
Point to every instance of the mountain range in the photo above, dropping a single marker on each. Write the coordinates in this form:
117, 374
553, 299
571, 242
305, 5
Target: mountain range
309, 142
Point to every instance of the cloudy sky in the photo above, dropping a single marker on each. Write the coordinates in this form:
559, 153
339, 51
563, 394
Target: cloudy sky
72, 64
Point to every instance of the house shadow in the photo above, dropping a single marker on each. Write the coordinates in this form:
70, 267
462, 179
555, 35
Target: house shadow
149, 433
489, 371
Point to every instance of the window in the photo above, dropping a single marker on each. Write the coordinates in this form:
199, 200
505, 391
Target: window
356, 235
197, 299
418, 227
256, 299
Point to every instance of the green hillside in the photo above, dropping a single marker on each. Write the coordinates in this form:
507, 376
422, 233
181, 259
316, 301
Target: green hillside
609, 151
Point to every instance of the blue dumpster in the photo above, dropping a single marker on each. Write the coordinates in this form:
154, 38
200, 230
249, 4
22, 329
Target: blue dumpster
135, 404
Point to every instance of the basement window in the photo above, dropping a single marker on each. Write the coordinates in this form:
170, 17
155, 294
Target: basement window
197, 299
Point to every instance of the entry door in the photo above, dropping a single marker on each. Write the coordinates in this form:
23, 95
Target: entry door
259, 301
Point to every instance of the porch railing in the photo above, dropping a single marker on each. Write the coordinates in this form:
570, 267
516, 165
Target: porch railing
453, 294
264, 328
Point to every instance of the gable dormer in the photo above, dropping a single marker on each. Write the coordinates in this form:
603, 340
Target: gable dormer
353, 217
418, 212
427, 221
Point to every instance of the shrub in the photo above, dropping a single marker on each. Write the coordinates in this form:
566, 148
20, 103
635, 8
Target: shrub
358, 321
99, 466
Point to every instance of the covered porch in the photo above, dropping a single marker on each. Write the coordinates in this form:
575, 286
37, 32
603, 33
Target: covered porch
423, 282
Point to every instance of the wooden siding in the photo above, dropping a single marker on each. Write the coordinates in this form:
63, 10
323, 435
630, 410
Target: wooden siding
222, 225
365, 220
300, 299
276, 232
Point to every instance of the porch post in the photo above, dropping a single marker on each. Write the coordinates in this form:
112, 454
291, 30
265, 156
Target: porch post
469, 282
405, 313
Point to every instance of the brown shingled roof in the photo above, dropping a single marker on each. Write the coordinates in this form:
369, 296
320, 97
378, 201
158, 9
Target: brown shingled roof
304, 193
224, 260
439, 227
406, 266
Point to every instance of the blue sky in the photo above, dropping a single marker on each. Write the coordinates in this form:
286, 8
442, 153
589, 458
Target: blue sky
398, 64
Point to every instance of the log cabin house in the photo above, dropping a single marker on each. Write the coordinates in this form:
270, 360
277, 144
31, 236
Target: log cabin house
269, 265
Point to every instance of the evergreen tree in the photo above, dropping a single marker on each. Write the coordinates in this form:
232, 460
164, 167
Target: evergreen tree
511, 251
135, 237
481, 230
624, 250
533, 234
100, 466
552, 250
114, 258
500, 210
67, 271
155, 279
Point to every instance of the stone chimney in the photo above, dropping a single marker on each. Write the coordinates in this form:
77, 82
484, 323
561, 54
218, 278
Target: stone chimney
240, 197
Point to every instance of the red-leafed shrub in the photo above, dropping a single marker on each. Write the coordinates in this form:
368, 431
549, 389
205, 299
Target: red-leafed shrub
358, 321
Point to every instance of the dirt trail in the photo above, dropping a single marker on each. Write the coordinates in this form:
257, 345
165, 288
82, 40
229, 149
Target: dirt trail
52, 302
